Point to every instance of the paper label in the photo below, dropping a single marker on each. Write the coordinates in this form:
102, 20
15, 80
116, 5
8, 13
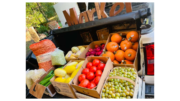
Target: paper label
44, 57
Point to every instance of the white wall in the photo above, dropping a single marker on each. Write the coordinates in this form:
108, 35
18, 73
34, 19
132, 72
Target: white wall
60, 7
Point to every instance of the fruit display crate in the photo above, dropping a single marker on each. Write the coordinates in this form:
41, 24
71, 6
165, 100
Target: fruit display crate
120, 91
68, 58
64, 88
124, 33
95, 92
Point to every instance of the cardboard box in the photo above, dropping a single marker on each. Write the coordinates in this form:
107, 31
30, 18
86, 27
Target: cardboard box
124, 33
68, 59
64, 88
83, 96
38, 90
136, 87
91, 45
96, 91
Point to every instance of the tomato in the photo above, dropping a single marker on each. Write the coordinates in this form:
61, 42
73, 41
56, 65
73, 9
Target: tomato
81, 77
84, 83
93, 69
96, 46
89, 64
92, 81
96, 80
98, 73
85, 71
90, 76
91, 85
96, 62
101, 66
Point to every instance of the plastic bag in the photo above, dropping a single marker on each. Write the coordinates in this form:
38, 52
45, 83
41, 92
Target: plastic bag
37, 74
57, 57
29, 81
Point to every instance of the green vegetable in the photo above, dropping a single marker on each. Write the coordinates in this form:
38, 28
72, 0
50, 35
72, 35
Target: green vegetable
43, 82
47, 84
48, 75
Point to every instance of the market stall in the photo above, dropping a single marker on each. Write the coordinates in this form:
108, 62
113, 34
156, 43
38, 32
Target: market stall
97, 59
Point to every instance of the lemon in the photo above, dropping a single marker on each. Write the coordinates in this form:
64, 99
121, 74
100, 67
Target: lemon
74, 73
69, 69
80, 64
68, 80
60, 72
60, 79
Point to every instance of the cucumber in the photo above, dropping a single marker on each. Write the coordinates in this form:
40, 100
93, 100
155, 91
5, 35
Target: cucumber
47, 84
43, 82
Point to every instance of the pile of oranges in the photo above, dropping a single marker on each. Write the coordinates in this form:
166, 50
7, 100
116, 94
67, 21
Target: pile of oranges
122, 50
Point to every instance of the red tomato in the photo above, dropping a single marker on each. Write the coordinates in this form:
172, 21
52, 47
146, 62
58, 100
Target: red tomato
85, 71
98, 73
92, 81
96, 80
90, 75
101, 66
89, 64
96, 62
81, 77
93, 69
91, 85
96, 46
84, 83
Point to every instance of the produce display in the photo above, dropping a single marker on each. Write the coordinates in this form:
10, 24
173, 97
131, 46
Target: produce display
122, 49
42, 50
97, 51
46, 80
57, 57
117, 88
91, 74
66, 74
75, 52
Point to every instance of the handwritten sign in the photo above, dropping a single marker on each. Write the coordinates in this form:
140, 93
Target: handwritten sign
72, 18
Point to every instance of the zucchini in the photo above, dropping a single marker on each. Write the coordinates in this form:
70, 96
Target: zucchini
43, 82
48, 75
47, 84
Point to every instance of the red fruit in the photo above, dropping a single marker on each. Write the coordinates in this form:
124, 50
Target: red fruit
101, 66
96, 62
91, 85
93, 69
84, 83
98, 53
90, 76
96, 80
96, 46
102, 45
98, 49
81, 77
85, 71
98, 73
89, 64
90, 49
92, 81
92, 53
